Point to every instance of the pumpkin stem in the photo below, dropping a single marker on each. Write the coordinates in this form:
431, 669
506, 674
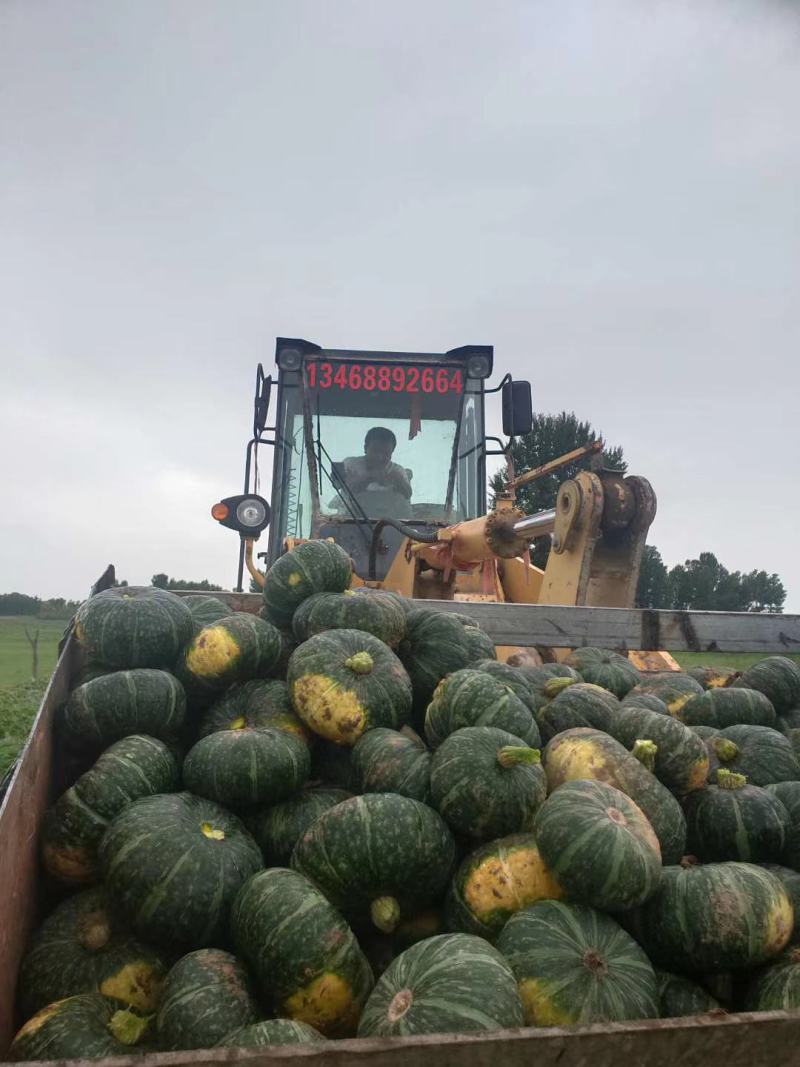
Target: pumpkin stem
360, 663
238, 723
95, 931
725, 749
385, 913
511, 755
645, 751
730, 779
127, 1027
556, 686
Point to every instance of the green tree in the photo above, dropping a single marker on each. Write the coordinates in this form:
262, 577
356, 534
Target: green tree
551, 436
162, 581
653, 590
704, 584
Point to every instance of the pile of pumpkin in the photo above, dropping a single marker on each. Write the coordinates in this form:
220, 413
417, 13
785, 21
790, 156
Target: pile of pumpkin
345, 817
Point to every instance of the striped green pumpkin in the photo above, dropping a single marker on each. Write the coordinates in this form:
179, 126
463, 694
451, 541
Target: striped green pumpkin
375, 613
777, 987
312, 567
575, 965
113, 706
496, 881
790, 880
82, 947
377, 856
511, 677
125, 627
735, 821
486, 783
578, 705
479, 645
539, 678
778, 678
234, 649
207, 993
788, 793
301, 951
391, 761
681, 760
477, 698
713, 677
272, 1032
84, 1027
434, 646
137, 766
205, 609
728, 707
607, 669
679, 997
452, 983
762, 754
257, 703
277, 829
173, 864
598, 845
674, 688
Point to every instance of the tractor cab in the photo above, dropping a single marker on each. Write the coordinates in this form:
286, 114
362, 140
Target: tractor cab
373, 447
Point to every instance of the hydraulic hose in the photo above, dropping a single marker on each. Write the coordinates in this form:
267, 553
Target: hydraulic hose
406, 531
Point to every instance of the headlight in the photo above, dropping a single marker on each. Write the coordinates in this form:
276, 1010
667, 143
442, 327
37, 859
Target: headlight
290, 358
478, 367
251, 513
247, 514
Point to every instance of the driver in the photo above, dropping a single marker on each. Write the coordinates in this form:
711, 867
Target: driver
375, 467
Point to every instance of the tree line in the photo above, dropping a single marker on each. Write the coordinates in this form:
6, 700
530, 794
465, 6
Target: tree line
52, 608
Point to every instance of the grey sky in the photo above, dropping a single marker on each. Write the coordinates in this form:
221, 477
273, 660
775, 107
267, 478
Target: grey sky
607, 191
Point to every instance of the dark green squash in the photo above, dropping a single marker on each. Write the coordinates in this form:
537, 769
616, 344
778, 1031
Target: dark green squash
486, 783
763, 755
434, 645
681, 760
790, 880
374, 613
81, 947
715, 917
241, 768
302, 952
172, 866
117, 705
312, 567
496, 881
452, 983
277, 829
511, 677
205, 609
646, 701
679, 997
257, 703
735, 821
233, 649
776, 987
479, 645
607, 669
206, 994
344, 682
713, 677
377, 856
788, 721
599, 845
391, 761
579, 704
477, 698
575, 965
788, 793
672, 687
134, 767
590, 754
778, 678
539, 678
272, 1032
125, 627
728, 707
86, 1026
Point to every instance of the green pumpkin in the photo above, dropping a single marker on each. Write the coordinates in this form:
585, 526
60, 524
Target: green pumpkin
374, 613
575, 965
479, 645
81, 947
476, 698
763, 755
377, 856
344, 682
302, 952
137, 766
788, 721
86, 1026
679, 997
599, 846
606, 669
172, 866
272, 1032
790, 880
206, 994
713, 677
205, 609
452, 983
388, 761
257, 703
777, 987
511, 677
277, 829
579, 704
233, 649
788, 793
646, 701
684, 927
589, 754
312, 567
674, 688
496, 881
722, 708
778, 678
435, 645
124, 627
735, 821
539, 678
681, 761
241, 768
486, 783
117, 705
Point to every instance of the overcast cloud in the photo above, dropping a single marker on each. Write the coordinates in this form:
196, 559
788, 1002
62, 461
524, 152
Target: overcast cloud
606, 190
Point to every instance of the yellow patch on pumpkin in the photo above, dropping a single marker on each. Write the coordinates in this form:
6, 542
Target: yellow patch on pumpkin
510, 884
326, 1003
212, 834
294, 579
212, 653
70, 865
40, 1018
137, 984
538, 1006
573, 759
780, 923
699, 776
678, 703
330, 711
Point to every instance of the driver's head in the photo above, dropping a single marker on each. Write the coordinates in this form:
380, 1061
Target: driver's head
379, 445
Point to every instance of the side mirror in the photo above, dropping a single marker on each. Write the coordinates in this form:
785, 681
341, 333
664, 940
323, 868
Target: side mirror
261, 402
517, 409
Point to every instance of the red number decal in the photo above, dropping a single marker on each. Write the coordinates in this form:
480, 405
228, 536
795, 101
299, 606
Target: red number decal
398, 379
369, 377
413, 380
456, 383
442, 383
325, 376
355, 376
312, 375
427, 380
340, 377
384, 378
